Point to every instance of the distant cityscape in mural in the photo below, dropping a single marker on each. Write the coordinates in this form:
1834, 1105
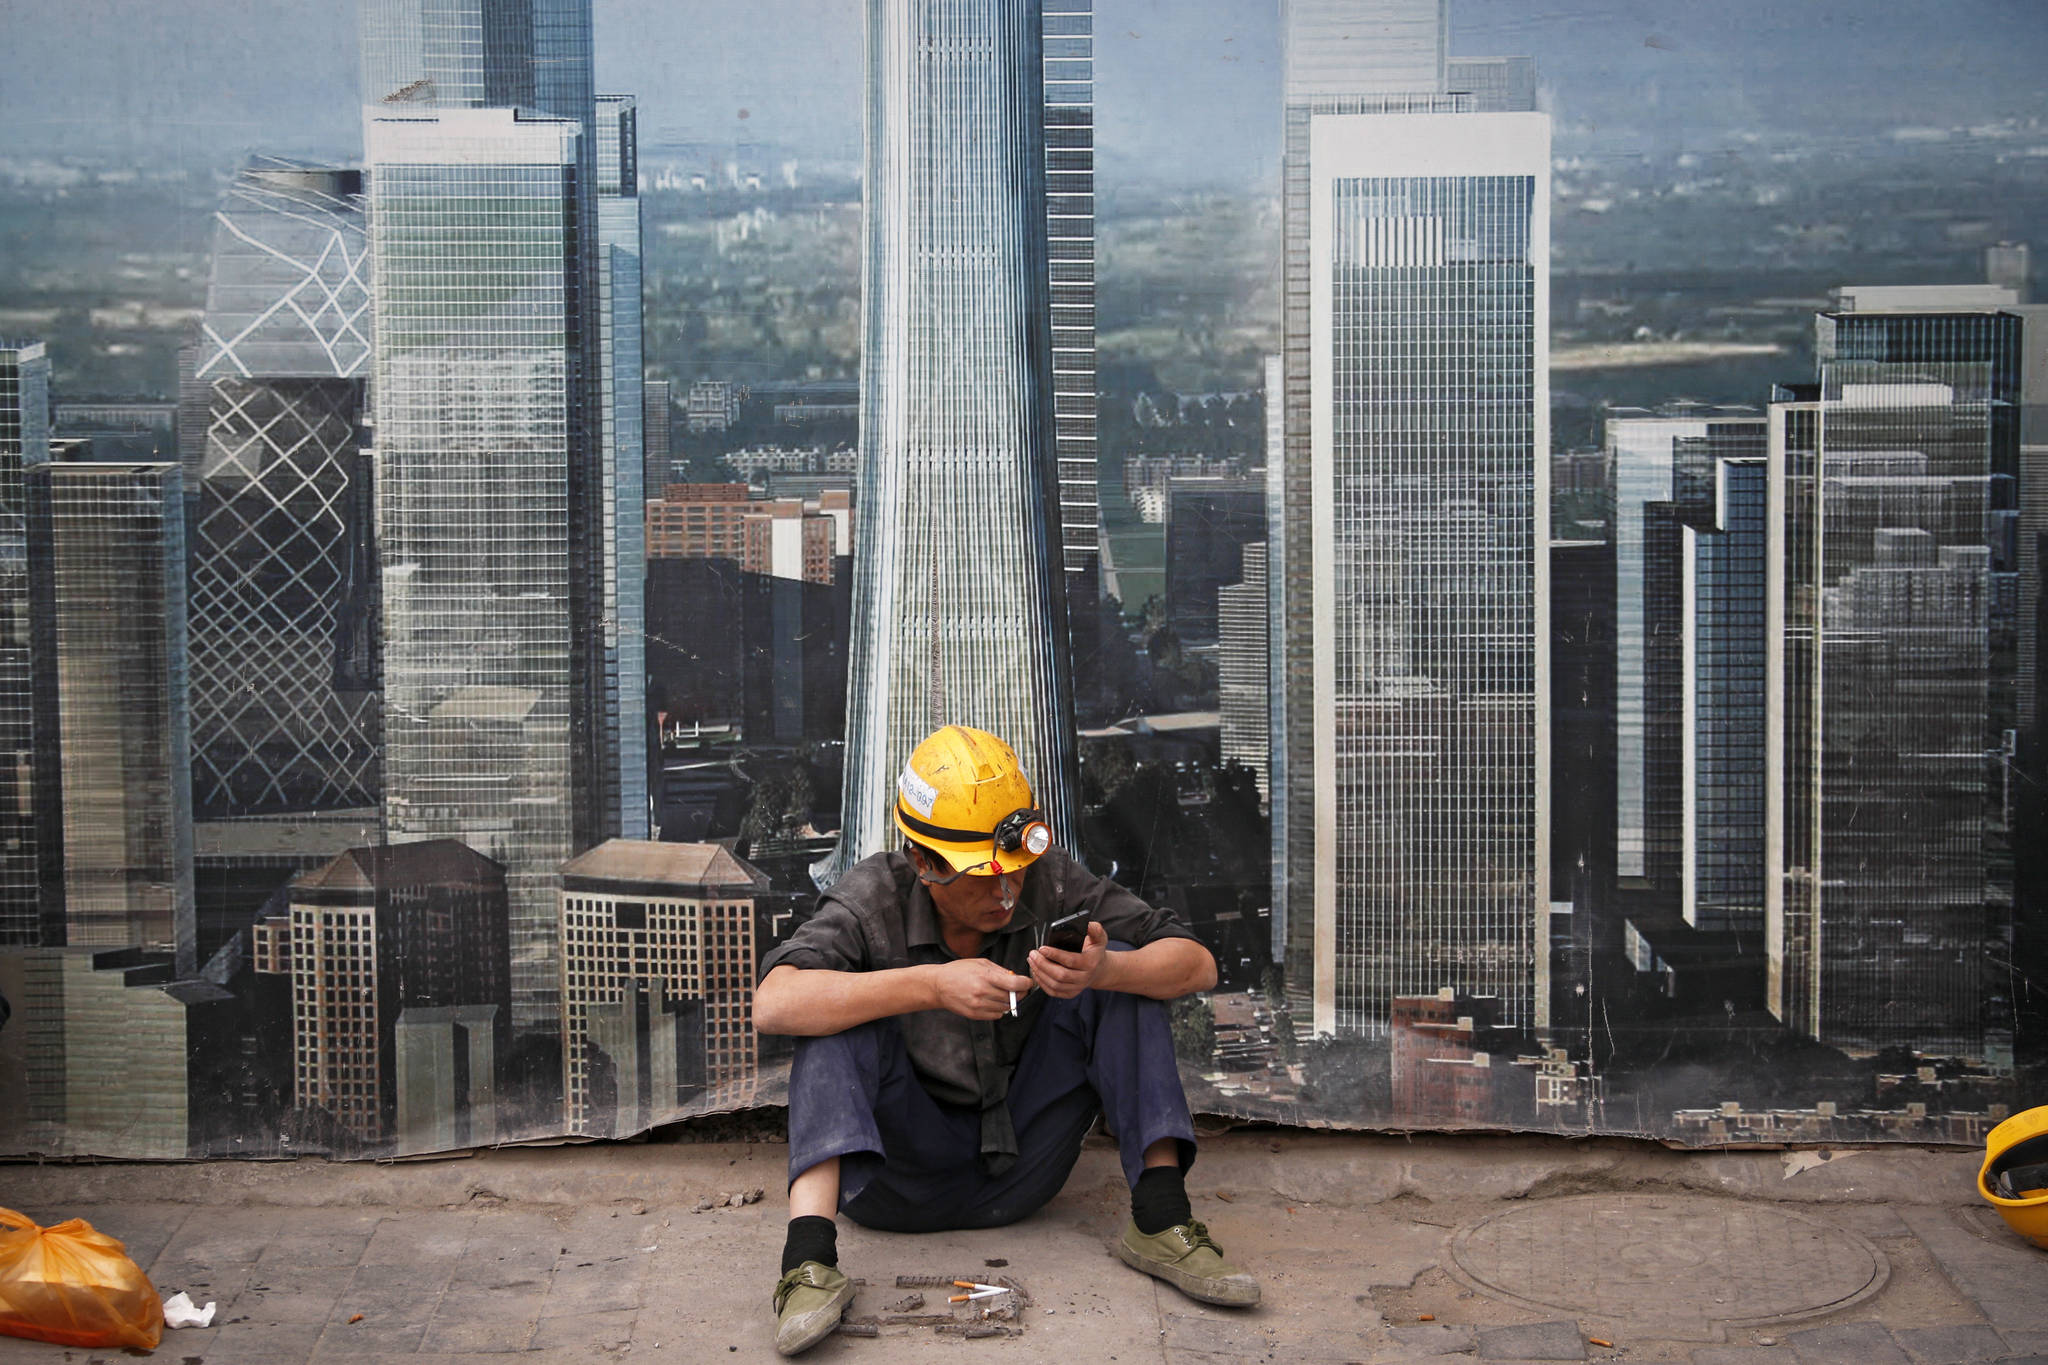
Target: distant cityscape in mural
1568, 692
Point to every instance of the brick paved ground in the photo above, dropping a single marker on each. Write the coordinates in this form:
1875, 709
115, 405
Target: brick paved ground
1377, 1250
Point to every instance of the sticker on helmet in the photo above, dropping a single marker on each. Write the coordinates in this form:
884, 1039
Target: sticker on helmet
918, 794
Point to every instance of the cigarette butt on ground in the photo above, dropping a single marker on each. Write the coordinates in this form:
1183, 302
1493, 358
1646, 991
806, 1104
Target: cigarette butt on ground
1425, 1317
357, 1318
1224, 1197
1598, 1342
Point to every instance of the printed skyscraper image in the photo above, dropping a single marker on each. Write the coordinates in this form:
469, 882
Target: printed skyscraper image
658, 962
959, 613
24, 445
624, 551
472, 463
1691, 696
1650, 601
106, 545
381, 944
1439, 525
1914, 674
284, 702
1415, 488
1070, 260
508, 515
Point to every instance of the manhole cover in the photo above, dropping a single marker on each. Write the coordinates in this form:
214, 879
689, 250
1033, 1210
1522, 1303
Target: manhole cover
1690, 1264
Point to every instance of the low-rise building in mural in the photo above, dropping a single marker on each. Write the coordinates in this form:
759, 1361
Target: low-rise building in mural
372, 939
658, 958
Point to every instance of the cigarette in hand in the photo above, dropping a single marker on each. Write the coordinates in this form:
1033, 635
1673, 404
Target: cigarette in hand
1013, 1004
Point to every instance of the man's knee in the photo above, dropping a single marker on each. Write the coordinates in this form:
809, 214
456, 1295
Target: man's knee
862, 1039
859, 1055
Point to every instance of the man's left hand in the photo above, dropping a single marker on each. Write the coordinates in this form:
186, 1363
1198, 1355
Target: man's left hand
1064, 975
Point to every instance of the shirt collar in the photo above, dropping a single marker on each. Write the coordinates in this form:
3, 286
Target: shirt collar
921, 918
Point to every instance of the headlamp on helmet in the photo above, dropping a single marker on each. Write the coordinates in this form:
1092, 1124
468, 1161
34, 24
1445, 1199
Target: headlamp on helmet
1025, 829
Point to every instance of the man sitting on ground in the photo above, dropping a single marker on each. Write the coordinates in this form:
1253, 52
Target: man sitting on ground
949, 1063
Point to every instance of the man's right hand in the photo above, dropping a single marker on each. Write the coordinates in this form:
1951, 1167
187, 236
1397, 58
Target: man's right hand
976, 988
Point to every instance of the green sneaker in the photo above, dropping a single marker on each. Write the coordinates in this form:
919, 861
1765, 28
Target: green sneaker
808, 1302
1186, 1258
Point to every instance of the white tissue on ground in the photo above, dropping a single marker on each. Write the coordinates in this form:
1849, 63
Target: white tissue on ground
180, 1311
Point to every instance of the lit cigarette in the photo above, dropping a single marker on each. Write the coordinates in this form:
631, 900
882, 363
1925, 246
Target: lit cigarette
1013, 1004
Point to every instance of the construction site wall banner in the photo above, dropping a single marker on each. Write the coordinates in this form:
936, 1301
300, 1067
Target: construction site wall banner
1524, 534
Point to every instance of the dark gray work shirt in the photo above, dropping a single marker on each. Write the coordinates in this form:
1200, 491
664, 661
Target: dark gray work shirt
878, 915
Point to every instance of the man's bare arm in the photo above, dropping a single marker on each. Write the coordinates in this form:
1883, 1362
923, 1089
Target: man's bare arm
813, 1002
1164, 969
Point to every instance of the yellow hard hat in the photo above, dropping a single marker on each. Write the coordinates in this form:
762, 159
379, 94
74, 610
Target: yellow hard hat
963, 796
2015, 1174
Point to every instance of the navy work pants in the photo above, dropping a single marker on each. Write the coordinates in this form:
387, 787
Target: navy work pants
908, 1163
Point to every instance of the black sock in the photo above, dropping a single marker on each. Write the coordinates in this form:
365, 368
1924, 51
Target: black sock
810, 1239
1160, 1200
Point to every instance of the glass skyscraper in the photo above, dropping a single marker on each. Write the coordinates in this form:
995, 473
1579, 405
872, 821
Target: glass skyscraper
1723, 643
1415, 490
1069, 27
1792, 720
1241, 666
24, 445
959, 616
508, 508
1666, 513
106, 545
284, 702
476, 54
476, 271
1912, 687
624, 562
1070, 252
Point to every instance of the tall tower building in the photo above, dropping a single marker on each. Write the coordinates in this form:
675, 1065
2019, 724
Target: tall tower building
1070, 263
1899, 613
623, 619
1280, 829
1241, 672
1792, 892
475, 453
24, 445
514, 693
1415, 489
284, 702
958, 610
106, 546
1723, 568
1070, 254
1656, 507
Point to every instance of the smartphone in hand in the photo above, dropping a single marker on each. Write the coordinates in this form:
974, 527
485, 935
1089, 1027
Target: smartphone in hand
1069, 933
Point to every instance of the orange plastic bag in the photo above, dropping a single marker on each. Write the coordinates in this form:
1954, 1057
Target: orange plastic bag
74, 1286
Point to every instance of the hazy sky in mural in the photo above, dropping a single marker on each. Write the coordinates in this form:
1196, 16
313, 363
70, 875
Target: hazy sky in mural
1186, 88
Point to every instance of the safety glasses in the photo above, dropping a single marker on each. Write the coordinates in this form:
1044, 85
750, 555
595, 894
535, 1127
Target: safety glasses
1008, 882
